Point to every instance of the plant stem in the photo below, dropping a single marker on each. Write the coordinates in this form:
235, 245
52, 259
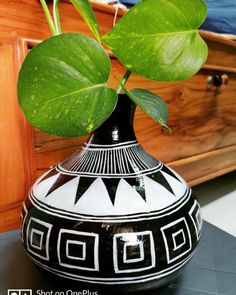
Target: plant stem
56, 16
124, 81
86, 12
48, 17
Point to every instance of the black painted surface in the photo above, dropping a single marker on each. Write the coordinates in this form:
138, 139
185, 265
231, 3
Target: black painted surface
106, 234
118, 127
212, 271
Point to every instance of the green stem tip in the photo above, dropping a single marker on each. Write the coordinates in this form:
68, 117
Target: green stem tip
56, 16
123, 81
48, 17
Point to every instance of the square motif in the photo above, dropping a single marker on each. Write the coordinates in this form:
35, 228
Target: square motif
195, 214
133, 252
78, 250
38, 234
177, 239
36, 239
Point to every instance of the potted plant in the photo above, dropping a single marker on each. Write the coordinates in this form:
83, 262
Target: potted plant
111, 214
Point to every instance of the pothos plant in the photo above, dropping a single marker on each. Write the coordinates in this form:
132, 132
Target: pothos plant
63, 85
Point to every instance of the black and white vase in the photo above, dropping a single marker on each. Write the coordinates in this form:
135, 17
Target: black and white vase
112, 214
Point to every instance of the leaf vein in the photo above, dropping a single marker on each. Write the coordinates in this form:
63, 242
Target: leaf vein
150, 35
72, 93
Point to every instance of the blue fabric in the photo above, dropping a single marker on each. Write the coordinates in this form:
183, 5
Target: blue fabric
221, 16
131, 2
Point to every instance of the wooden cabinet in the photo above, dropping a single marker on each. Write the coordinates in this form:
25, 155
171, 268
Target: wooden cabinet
202, 116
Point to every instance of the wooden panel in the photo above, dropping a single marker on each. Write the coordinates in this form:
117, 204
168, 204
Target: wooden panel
206, 166
10, 218
26, 23
222, 52
50, 149
15, 172
202, 119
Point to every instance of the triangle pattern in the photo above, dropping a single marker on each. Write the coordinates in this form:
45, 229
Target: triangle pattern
40, 189
138, 184
111, 186
60, 181
159, 178
64, 196
178, 187
52, 172
95, 201
171, 172
128, 200
157, 196
84, 184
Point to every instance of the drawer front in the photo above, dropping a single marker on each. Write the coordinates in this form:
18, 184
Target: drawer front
202, 118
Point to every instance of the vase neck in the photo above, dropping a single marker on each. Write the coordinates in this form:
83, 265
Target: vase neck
118, 128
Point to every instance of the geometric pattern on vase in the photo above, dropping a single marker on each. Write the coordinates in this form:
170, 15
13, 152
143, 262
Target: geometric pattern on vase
142, 215
138, 254
79, 193
95, 194
133, 252
157, 196
117, 159
195, 214
62, 197
178, 187
53, 171
38, 234
79, 250
43, 185
23, 216
177, 239
61, 180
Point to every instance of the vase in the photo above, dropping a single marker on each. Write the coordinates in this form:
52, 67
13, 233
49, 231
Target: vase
111, 214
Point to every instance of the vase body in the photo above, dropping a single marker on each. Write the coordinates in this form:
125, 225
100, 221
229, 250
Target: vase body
111, 214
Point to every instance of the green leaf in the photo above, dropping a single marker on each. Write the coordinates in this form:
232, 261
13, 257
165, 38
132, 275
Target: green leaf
151, 104
62, 85
85, 10
158, 39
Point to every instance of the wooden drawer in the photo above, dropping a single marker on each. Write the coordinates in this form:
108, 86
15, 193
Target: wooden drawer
202, 120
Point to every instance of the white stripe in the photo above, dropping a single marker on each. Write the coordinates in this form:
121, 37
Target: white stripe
126, 143
98, 160
23, 222
60, 169
145, 216
111, 281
